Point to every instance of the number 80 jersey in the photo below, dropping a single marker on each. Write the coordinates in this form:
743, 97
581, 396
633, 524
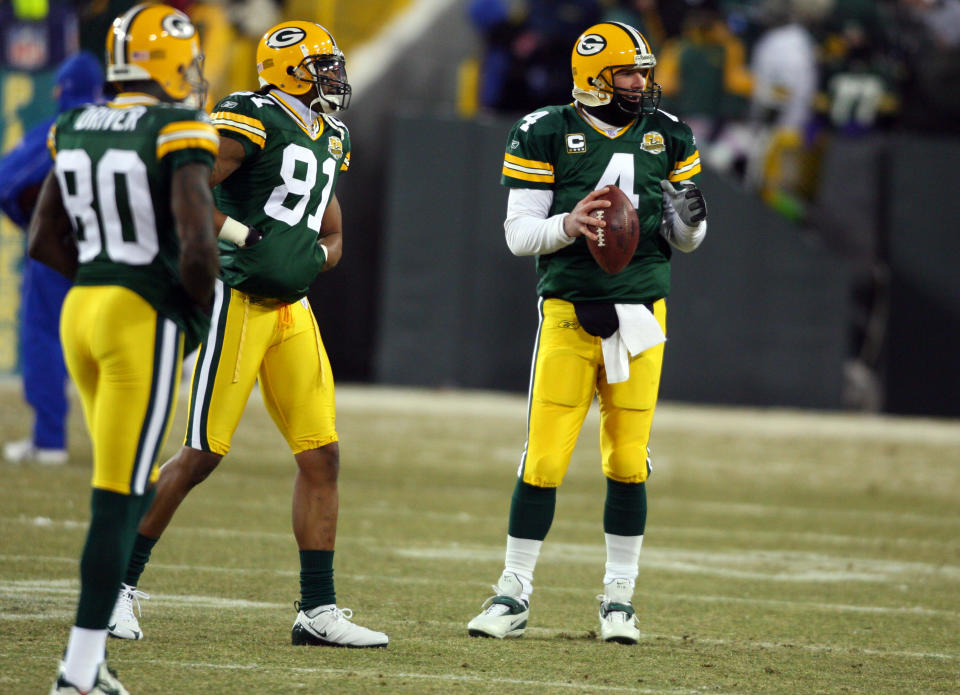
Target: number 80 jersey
283, 187
114, 164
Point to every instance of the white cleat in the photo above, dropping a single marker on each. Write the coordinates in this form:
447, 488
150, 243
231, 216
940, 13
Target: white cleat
106, 684
123, 623
504, 614
23, 451
330, 626
618, 622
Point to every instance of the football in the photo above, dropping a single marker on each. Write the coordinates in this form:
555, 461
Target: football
616, 242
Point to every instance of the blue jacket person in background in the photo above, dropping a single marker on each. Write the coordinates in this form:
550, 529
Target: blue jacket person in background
22, 170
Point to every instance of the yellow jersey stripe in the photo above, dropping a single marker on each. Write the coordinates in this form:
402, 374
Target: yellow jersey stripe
688, 173
187, 134
531, 164
187, 143
689, 160
259, 140
237, 118
526, 176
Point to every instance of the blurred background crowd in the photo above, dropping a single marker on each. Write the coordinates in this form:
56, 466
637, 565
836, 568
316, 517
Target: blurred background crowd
798, 104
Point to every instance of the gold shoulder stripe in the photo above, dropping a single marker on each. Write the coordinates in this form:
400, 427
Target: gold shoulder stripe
187, 144
688, 160
525, 176
689, 173
258, 140
237, 118
187, 135
528, 163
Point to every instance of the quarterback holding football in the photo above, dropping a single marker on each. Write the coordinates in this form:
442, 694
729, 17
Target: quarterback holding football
602, 329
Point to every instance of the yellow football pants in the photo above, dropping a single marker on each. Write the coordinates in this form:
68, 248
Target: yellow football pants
567, 372
125, 360
277, 344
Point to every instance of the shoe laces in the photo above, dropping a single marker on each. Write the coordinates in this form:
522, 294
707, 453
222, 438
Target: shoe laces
128, 596
335, 614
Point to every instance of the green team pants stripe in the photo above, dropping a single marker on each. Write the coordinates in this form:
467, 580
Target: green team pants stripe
206, 370
166, 353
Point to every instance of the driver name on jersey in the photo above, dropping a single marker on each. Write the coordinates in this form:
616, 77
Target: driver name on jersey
282, 188
557, 148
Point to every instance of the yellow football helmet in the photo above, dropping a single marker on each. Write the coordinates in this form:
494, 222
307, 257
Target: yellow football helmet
302, 57
604, 49
156, 42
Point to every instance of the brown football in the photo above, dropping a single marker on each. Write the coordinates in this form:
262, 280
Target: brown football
616, 242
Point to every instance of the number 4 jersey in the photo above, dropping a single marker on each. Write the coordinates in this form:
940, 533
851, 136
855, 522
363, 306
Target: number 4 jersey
558, 149
282, 188
114, 164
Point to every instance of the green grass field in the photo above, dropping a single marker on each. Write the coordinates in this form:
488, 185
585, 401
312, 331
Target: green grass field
786, 553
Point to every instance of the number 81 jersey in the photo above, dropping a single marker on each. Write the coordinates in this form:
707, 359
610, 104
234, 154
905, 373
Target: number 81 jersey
283, 187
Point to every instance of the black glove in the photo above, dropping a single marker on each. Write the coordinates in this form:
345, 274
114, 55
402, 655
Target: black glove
687, 201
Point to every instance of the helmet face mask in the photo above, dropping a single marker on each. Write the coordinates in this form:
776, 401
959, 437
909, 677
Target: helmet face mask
636, 102
602, 51
302, 58
328, 74
159, 44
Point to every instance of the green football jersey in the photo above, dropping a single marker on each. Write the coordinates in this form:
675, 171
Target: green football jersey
282, 188
556, 148
114, 163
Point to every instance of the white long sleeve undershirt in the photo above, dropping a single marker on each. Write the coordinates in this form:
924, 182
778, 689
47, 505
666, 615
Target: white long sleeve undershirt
529, 232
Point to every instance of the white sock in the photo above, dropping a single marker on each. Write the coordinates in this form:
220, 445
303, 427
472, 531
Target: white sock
623, 557
521, 559
85, 651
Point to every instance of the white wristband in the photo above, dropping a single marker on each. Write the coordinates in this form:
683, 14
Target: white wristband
234, 231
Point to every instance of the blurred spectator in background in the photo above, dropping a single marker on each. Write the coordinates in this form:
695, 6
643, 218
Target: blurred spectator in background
22, 170
782, 164
527, 47
644, 15
705, 79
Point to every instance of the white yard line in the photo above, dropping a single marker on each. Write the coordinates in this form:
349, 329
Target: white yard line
17, 589
546, 633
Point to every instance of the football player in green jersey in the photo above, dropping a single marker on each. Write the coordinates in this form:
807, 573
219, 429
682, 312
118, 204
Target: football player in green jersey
127, 213
599, 334
281, 153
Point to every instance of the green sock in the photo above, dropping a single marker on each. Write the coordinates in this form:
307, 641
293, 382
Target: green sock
113, 523
316, 579
142, 546
625, 509
531, 511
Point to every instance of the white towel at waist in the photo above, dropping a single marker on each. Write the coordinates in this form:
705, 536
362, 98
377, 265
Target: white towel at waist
638, 331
